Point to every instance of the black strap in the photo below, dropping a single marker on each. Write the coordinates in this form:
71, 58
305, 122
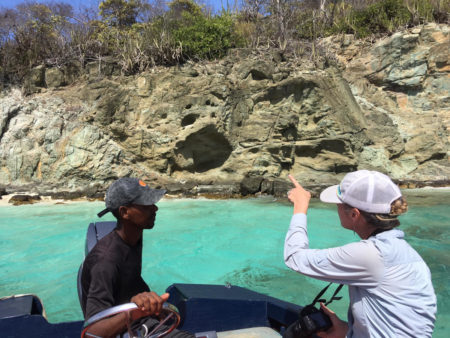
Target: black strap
335, 294
317, 299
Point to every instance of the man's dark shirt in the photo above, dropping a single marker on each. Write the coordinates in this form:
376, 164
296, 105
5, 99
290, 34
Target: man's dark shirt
111, 274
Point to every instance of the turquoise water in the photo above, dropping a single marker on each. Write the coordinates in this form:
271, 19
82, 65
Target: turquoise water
203, 241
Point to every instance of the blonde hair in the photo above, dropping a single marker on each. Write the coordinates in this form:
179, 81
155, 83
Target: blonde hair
387, 221
398, 207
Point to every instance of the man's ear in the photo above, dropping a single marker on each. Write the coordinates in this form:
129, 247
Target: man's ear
123, 212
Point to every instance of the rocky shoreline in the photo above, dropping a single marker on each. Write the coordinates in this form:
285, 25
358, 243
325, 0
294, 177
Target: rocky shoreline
251, 187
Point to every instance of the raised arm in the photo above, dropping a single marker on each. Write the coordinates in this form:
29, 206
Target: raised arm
353, 264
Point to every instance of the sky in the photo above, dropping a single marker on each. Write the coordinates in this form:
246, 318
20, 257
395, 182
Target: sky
74, 3
215, 4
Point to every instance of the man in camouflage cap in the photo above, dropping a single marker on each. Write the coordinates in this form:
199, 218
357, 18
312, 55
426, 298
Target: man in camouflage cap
111, 272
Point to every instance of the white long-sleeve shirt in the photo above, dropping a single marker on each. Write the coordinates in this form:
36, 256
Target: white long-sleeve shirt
391, 294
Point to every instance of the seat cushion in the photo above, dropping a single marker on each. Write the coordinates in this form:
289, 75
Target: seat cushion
253, 332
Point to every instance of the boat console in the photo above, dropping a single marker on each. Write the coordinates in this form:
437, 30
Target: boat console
224, 308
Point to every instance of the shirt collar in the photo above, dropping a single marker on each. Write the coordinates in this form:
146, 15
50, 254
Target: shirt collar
390, 233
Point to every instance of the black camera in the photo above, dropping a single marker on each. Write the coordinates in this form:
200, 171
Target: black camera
310, 321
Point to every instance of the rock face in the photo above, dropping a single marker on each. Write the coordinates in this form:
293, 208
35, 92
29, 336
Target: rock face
238, 125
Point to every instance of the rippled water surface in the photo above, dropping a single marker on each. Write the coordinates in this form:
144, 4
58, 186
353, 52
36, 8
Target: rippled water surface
204, 241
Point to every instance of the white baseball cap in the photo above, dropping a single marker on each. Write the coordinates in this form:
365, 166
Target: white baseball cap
369, 191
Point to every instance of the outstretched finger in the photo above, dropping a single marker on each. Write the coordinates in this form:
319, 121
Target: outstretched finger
294, 181
165, 297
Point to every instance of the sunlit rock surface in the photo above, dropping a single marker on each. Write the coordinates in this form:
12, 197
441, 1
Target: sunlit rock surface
238, 125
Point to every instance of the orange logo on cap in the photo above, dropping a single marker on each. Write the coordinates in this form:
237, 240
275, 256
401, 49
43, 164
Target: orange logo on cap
142, 183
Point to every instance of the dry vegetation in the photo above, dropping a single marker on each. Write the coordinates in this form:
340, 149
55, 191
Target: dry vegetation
139, 34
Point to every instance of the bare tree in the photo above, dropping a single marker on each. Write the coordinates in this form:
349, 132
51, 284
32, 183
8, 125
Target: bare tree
253, 8
282, 13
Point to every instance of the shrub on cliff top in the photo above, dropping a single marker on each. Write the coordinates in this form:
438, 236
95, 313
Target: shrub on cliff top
381, 17
203, 37
199, 35
183, 32
364, 19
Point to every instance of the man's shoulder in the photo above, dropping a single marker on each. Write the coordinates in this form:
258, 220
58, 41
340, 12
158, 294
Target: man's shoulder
107, 249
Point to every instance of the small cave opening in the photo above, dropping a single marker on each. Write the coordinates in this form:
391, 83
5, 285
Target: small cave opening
312, 150
307, 150
209, 148
258, 75
290, 133
286, 166
344, 168
336, 146
189, 119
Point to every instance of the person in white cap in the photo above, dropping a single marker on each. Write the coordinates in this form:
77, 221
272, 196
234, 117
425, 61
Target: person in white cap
390, 288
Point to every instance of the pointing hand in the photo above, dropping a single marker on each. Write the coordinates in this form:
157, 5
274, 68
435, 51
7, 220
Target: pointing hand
299, 197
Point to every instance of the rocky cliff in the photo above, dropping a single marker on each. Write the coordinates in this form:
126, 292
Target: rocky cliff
238, 125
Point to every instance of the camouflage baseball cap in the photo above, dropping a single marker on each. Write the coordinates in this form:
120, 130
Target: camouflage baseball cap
128, 190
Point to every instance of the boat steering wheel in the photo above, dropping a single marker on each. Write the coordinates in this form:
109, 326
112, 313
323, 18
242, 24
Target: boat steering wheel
169, 313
